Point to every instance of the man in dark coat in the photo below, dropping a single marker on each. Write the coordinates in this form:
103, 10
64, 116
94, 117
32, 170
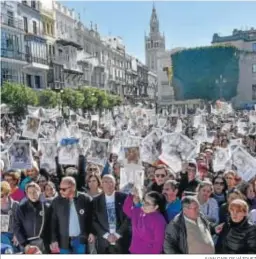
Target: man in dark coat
71, 219
110, 224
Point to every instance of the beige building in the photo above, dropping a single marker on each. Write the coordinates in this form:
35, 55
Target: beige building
245, 41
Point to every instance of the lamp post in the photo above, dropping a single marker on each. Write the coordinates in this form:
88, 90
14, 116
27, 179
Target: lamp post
221, 81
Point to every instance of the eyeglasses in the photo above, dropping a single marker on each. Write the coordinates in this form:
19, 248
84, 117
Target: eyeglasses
64, 189
160, 175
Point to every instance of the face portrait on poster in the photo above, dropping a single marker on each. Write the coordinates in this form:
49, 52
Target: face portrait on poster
49, 152
69, 151
31, 127
132, 155
20, 155
47, 129
98, 151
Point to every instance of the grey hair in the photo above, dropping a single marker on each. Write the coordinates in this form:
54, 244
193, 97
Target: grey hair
109, 176
69, 179
188, 200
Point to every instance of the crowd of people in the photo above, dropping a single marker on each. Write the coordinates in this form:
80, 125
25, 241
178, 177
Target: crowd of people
81, 209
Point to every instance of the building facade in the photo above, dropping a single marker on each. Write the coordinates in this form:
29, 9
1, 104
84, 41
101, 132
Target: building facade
45, 45
152, 86
157, 58
245, 41
35, 45
13, 58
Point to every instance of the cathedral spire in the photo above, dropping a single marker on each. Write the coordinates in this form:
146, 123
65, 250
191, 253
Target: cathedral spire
154, 23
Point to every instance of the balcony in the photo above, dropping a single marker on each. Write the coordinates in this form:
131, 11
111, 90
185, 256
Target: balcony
13, 54
73, 69
12, 22
66, 40
34, 38
36, 63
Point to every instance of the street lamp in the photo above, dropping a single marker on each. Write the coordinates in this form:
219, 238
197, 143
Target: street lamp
221, 81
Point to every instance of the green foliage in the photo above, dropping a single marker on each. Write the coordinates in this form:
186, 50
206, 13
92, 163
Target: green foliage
48, 98
18, 97
72, 98
195, 72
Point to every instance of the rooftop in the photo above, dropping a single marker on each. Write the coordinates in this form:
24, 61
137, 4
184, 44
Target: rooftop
244, 35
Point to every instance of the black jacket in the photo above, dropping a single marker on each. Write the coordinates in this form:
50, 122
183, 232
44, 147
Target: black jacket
60, 218
176, 235
30, 218
223, 213
187, 186
100, 221
155, 187
237, 238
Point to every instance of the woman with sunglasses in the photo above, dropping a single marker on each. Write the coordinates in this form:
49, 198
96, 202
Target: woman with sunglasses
161, 175
219, 189
148, 223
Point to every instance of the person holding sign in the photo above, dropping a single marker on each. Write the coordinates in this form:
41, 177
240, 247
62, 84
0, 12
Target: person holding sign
148, 222
8, 210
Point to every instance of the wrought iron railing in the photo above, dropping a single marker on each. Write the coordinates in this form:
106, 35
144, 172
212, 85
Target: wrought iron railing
11, 21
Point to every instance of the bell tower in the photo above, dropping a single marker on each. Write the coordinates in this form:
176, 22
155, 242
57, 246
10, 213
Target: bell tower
154, 42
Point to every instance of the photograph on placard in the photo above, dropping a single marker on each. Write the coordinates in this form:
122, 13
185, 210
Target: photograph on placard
47, 129
31, 127
20, 155
6, 160
5, 221
132, 156
98, 151
69, 151
49, 152
85, 140
221, 157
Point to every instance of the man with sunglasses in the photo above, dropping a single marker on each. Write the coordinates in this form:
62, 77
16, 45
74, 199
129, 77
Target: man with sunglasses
71, 219
161, 174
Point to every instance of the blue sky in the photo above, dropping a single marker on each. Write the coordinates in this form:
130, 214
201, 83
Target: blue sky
185, 24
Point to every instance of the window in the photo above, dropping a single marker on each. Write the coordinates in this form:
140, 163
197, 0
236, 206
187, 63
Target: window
37, 82
33, 4
254, 47
254, 68
47, 28
44, 28
9, 43
28, 80
253, 92
34, 27
10, 18
25, 21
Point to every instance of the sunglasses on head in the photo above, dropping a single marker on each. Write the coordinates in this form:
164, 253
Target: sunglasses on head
160, 175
